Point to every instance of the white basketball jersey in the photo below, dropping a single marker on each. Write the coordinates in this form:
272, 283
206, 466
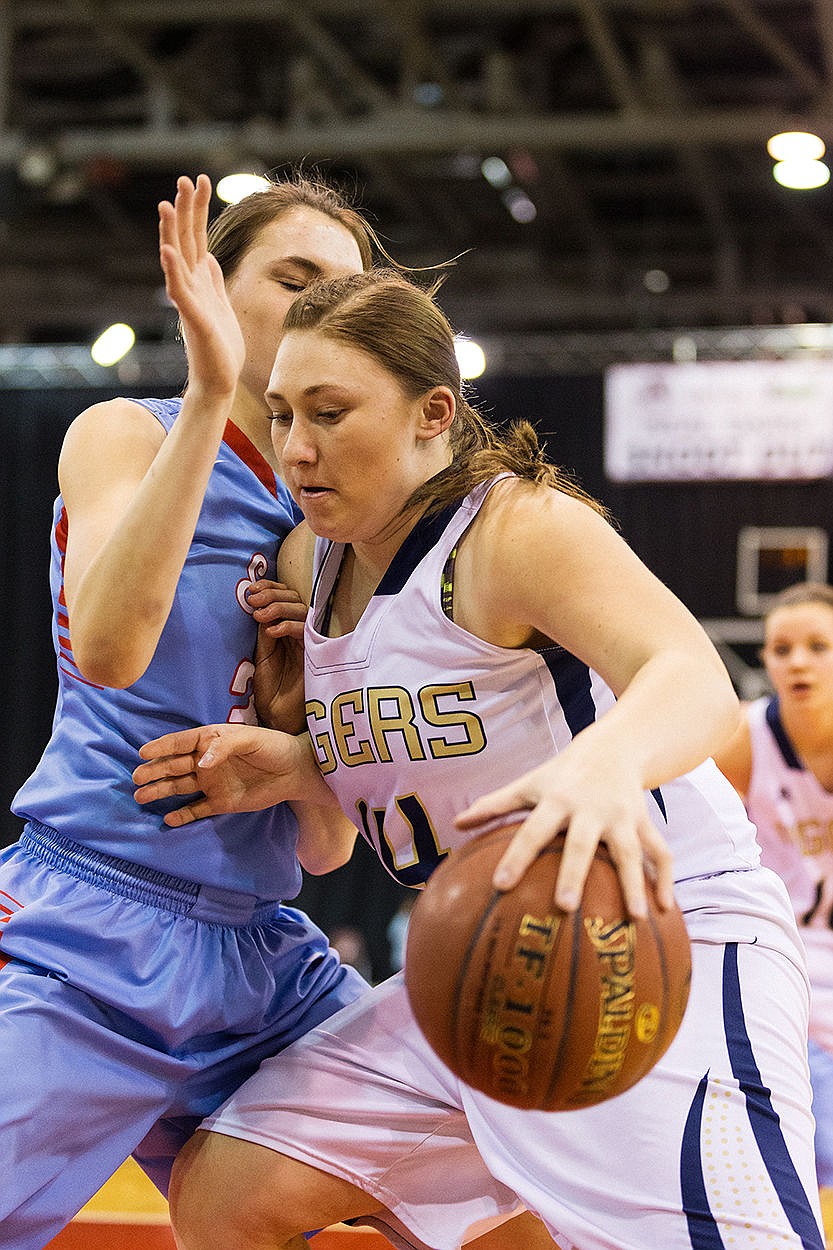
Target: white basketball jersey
794, 816
413, 718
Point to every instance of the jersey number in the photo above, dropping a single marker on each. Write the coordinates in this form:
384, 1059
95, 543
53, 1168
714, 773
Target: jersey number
426, 851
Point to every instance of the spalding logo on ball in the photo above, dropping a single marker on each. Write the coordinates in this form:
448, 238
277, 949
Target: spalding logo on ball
538, 1008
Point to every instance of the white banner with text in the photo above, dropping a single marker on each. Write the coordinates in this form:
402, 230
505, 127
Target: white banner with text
763, 420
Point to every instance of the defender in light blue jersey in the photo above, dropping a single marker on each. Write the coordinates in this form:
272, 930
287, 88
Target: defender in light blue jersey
145, 972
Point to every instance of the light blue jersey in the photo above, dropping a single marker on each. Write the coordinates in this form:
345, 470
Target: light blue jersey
201, 674
146, 971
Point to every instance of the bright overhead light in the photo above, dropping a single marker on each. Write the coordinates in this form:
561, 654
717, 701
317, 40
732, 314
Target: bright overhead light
236, 187
801, 175
115, 342
470, 357
496, 172
795, 145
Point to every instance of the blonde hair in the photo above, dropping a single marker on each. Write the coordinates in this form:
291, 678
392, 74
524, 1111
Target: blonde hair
401, 326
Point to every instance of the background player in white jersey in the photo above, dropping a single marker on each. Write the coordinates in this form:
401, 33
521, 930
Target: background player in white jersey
143, 975
476, 623
781, 762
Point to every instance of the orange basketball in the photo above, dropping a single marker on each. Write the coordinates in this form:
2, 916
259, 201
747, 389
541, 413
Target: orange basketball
535, 1007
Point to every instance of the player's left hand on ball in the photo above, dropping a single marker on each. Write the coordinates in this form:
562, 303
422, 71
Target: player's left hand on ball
589, 807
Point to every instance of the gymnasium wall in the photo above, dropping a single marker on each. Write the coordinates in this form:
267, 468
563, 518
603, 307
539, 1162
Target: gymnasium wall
687, 533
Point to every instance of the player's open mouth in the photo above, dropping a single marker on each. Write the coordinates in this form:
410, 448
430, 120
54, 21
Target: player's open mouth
313, 492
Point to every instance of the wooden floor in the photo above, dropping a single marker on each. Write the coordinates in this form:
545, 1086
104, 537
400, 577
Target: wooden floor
129, 1214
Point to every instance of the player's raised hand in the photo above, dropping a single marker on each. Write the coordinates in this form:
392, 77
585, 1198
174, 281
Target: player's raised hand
231, 768
194, 283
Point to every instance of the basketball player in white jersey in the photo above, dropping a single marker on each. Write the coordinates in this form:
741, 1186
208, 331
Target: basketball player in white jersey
480, 640
781, 762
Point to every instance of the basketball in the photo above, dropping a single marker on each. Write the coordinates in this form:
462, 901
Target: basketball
535, 1007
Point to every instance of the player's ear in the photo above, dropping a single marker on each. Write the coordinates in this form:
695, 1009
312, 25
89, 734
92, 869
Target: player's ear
437, 412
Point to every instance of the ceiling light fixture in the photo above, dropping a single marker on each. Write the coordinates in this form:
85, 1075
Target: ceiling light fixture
801, 175
114, 343
796, 145
236, 187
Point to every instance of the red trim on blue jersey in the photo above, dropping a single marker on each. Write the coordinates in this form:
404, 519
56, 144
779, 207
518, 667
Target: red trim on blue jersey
61, 531
61, 536
244, 448
78, 676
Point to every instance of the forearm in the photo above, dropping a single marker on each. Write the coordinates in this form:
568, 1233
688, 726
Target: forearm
676, 711
325, 837
138, 564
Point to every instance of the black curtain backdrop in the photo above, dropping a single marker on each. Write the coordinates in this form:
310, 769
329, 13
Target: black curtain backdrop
687, 533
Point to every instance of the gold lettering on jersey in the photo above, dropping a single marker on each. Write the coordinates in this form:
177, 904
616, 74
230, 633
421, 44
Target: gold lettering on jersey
811, 837
614, 944
383, 712
511, 1016
322, 742
390, 711
469, 724
344, 730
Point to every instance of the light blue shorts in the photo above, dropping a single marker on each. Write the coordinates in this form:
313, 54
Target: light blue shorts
131, 1005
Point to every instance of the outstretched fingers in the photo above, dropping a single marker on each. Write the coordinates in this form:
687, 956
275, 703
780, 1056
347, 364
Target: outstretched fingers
184, 219
202, 201
181, 742
658, 862
164, 787
586, 819
183, 232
